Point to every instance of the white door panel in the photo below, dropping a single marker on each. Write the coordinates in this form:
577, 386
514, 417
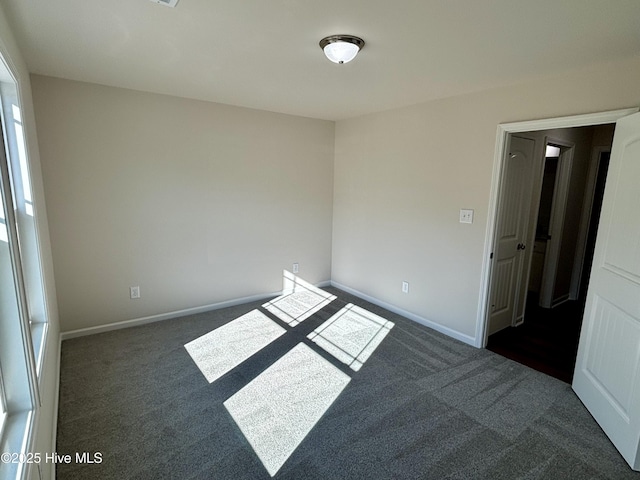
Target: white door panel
607, 375
550, 295
513, 214
623, 251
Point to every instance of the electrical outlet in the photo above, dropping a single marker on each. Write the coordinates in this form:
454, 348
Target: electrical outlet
405, 287
296, 268
134, 292
466, 216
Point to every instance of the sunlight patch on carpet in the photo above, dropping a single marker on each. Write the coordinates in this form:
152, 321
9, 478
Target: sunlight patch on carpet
299, 300
277, 410
226, 347
351, 335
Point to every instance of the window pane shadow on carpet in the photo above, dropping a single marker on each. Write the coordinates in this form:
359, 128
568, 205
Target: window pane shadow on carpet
422, 406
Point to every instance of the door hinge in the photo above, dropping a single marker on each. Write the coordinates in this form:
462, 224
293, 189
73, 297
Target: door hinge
490, 255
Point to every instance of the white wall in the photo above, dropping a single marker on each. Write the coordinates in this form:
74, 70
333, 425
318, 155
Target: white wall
45, 416
200, 203
195, 202
401, 177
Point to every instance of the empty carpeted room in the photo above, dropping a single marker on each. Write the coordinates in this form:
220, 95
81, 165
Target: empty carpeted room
259, 240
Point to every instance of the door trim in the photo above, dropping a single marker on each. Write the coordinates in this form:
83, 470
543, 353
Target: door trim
558, 209
585, 221
503, 131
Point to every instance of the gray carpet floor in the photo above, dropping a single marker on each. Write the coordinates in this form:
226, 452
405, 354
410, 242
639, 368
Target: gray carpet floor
424, 406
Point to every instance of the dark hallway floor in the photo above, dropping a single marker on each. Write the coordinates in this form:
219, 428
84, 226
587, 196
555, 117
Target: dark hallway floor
547, 341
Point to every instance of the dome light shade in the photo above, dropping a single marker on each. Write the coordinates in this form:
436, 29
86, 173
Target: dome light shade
341, 48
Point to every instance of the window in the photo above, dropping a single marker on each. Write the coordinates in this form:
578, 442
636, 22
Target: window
3, 400
20, 185
23, 320
3, 405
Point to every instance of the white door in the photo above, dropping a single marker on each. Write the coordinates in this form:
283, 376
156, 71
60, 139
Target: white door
607, 374
507, 298
550, 294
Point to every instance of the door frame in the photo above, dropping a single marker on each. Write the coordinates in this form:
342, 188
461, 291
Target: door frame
503, 130
585, 221
558, 209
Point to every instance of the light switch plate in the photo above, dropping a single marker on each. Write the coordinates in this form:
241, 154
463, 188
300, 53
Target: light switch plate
466, 216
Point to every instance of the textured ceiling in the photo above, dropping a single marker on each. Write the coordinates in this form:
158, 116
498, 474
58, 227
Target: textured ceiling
265, 54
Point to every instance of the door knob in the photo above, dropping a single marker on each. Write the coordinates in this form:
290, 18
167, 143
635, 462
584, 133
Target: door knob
521, 246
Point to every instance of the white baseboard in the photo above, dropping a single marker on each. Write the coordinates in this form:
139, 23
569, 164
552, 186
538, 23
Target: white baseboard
163, 316
560, 300
411, 316
239, 301
167, 316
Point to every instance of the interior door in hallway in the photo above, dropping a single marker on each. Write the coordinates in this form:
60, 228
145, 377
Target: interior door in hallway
507, 287
607, 374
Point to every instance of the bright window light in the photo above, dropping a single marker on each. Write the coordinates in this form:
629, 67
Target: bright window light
351, 335
3, 405
552, 151
22, 308
299, 300
277, 410
226, 347
281, 406
4, 235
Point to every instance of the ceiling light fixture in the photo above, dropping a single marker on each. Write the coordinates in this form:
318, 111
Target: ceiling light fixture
341, 48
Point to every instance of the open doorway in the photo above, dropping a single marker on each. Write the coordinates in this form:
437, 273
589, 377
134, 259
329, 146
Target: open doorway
569, 166
543, 223
604, 379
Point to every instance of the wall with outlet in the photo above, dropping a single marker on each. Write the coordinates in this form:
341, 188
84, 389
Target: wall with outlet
402, 177
198, 203
195, 203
